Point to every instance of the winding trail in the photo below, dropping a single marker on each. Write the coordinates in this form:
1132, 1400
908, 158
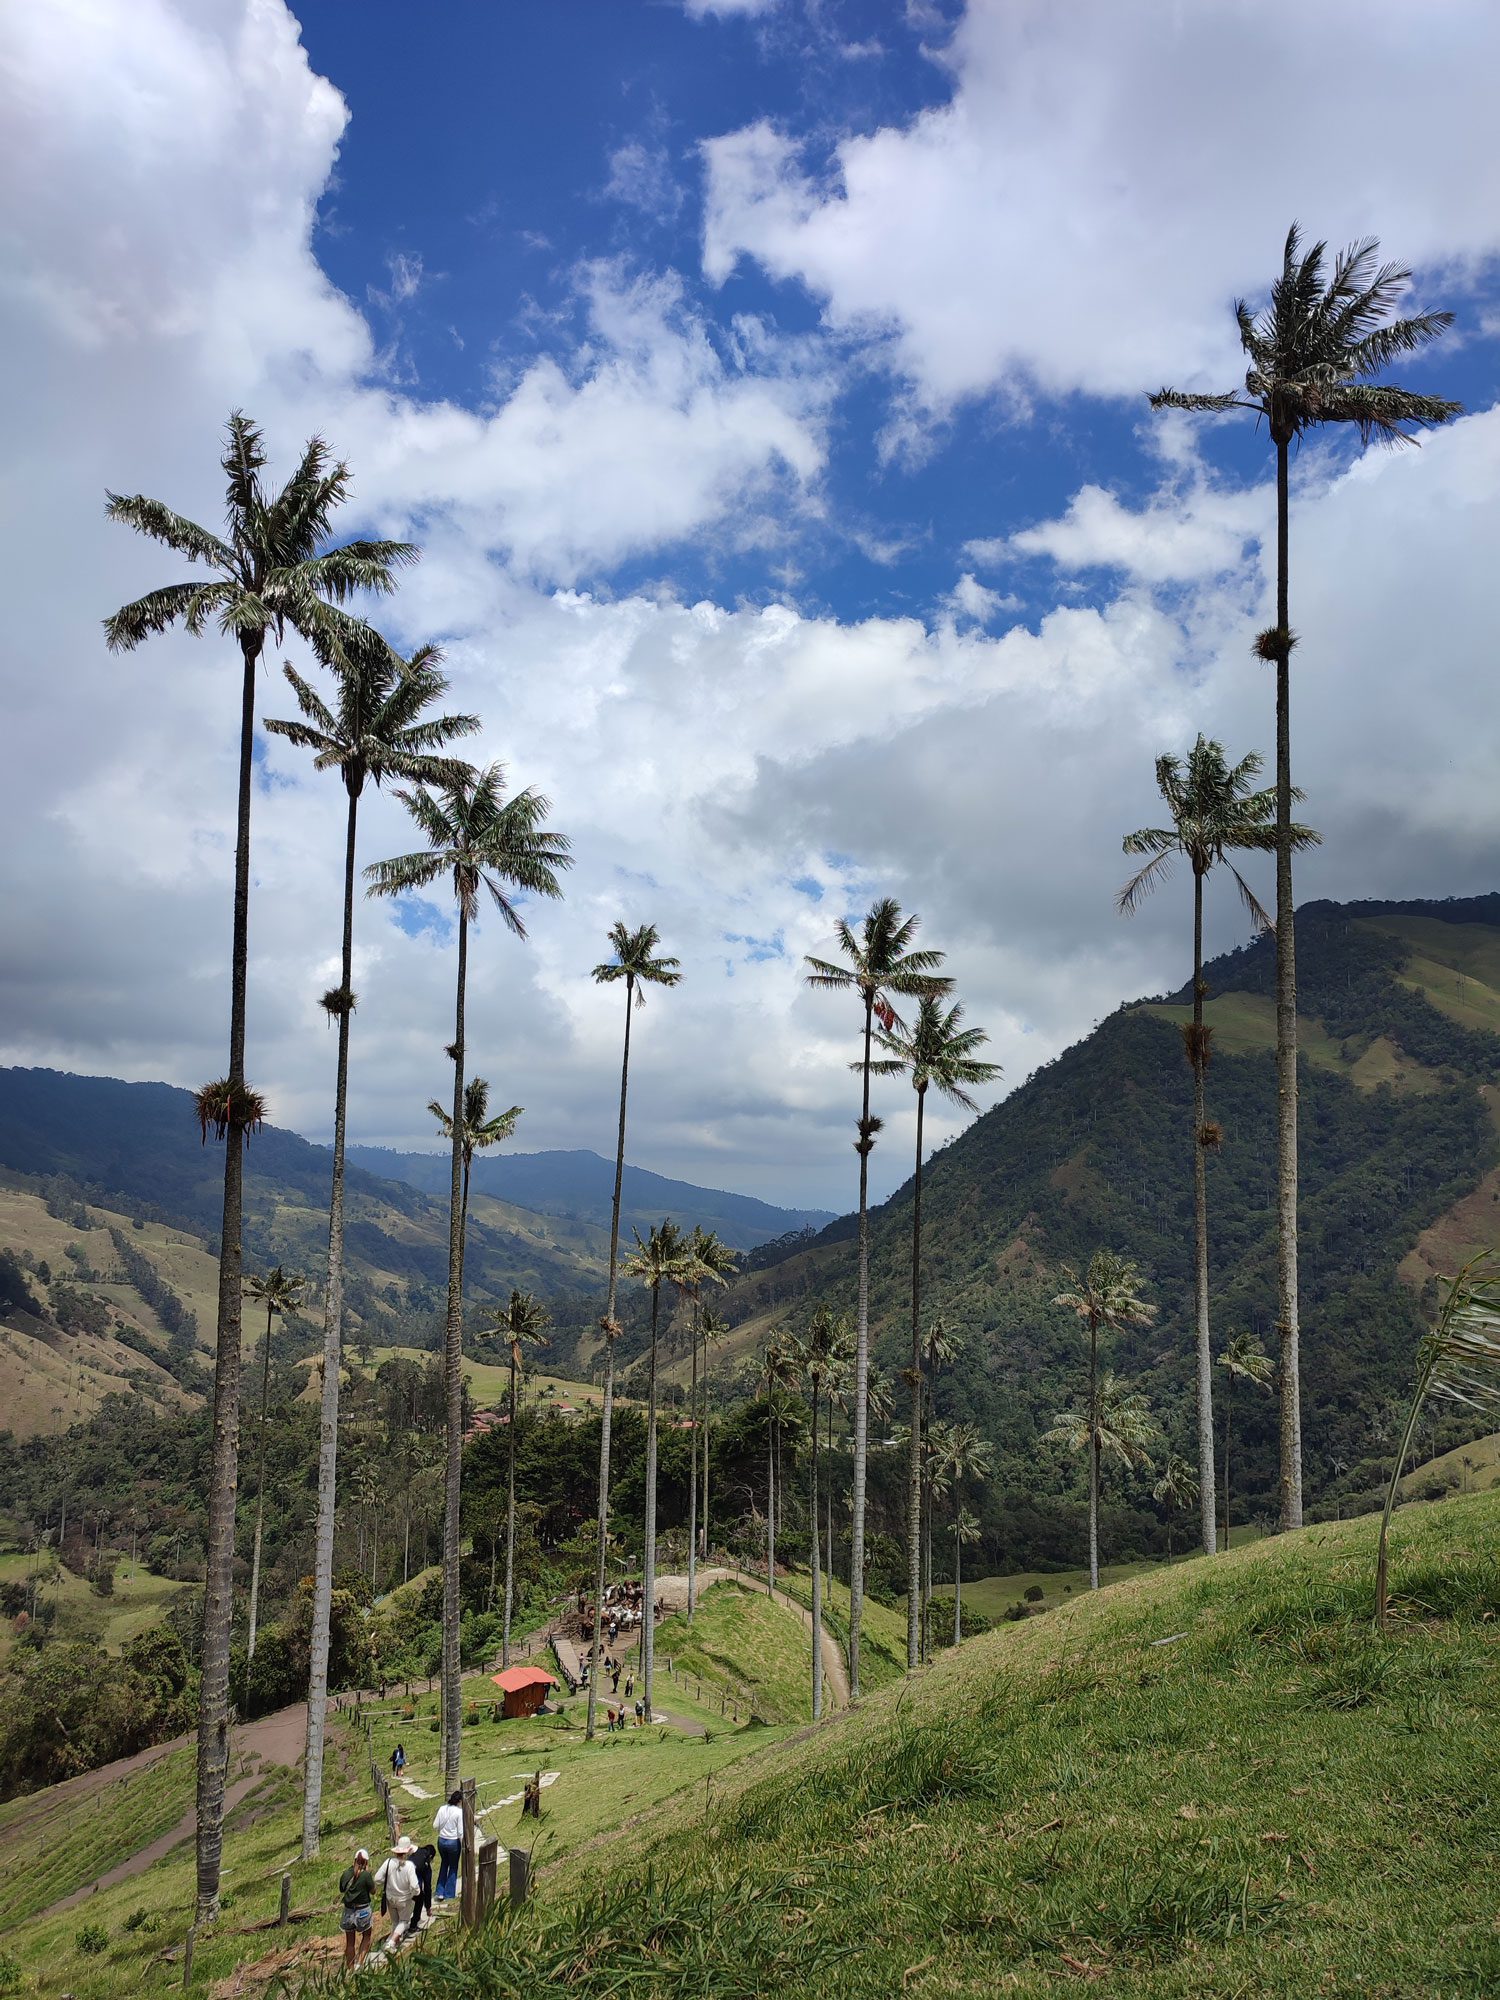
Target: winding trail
672, 1590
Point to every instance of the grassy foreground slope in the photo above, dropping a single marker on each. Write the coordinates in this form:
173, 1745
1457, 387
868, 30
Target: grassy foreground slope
1216, 1780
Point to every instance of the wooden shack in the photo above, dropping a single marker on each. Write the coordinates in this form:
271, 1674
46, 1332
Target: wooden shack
525, 1689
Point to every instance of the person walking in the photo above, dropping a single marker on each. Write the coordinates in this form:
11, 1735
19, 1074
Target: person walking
448, 1825
422, 1861
629, 1685
640, 1713
357, 1888
396, 1879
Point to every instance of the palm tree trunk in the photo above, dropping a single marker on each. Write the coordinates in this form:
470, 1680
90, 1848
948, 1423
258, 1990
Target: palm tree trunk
453, 1384
914, 1463
648, 1579
693, 1481
1093, 1458
609, 1371
1382, 1559
1286, 1042
958, 1586
218, 1569
1228, 1406
260, 1496
817, 1572
861, 1371
927, 1574
829, 1502
1200, 1236
510, 1519
704, 1530
770, 1488
328, 1416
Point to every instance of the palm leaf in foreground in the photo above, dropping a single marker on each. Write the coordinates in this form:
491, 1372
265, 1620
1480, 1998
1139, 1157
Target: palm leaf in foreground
1458, 1360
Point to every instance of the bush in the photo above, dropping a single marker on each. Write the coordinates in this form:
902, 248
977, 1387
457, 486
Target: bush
92, 1939
1034, 1593
136, 1918
10, 1974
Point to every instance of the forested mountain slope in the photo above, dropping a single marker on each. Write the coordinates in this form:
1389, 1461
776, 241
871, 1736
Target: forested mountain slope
1399, 1151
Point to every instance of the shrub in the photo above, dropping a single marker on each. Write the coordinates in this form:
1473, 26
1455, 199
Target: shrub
136, 1919
10, 1974
1034, 1593
92, 1939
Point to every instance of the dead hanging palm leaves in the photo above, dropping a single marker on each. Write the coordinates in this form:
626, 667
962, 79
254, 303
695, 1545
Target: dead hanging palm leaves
226, 1108
1211, 1135
1197, 1044
1460, 1360
1274, 644
338, 1001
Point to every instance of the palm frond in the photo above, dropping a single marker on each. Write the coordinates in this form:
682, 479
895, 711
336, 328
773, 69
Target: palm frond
174, 531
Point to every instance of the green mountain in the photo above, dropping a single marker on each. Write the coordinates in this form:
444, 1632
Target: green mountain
1401, 1056
579, 1186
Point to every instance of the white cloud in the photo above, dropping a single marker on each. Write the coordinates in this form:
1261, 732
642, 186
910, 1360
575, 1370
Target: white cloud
739, 775
723, 10
1100, 184
640, 175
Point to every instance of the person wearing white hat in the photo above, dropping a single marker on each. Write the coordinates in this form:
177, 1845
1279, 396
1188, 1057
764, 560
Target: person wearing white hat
397, 1881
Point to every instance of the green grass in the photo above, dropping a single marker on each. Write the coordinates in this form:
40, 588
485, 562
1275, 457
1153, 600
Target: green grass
138, 1603
1245, 1024
1457, 966
1481, 1473
1213, 1780
489, 1382
82, 1837
742, 1643
882, 1632
993, 1596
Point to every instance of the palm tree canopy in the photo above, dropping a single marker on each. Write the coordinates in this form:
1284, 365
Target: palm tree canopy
522, 1323
1108, 1294
1121, 1425
278, 1291
378, 725
961, 1451
635, 960
707, 1261
483, 840
1178, 1486
267, 571
662, 1259
1216, 811
1245, 1360
480, 1130
1319, 340
881, 961
937, 1051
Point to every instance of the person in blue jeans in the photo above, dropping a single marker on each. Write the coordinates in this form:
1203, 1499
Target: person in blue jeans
448, 1825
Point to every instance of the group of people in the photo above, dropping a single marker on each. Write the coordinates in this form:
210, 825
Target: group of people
403, 1882
618, 1718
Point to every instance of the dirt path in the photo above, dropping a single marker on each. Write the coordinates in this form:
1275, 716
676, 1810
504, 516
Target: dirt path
271, 1740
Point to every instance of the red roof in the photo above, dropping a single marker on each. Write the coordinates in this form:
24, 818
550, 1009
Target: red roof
516, 1678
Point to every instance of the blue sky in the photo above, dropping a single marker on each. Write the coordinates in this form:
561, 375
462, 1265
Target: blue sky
764, 380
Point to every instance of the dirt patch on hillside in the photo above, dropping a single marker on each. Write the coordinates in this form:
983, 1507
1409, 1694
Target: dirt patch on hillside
1460, 1232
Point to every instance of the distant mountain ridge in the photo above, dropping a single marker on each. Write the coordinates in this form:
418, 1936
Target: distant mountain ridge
580, 1185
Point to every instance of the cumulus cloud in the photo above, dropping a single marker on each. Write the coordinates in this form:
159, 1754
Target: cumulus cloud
740, 774
723, 10
1099, 184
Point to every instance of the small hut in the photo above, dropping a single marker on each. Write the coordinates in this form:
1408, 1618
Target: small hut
525, 1689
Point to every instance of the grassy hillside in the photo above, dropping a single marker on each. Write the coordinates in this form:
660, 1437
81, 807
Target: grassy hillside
1400, 1178
741, 1641
1213, 1781
882, 1638
137, 1603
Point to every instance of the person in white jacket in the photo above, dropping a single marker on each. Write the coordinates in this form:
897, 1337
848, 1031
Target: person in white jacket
396, 1878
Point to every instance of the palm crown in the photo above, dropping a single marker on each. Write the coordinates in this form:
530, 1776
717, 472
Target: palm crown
1119, 1425
1108, 1294
938, 1052
480, 1130
267, 569
1322, 336
1216, 810
1245, 1360
635, 961
378, 726
881, 962
483, 841
664, 1257
522, 1323
278, 1291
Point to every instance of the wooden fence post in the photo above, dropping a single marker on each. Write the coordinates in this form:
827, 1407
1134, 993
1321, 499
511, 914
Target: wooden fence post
471, 1828
489, 1867
187, 1960
520, 1876
286, 1898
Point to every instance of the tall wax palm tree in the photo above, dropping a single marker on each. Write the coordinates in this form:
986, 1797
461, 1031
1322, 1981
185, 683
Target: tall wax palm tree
838, 1391
1243, 1360
379, 726
880, 962
479, 1129
1105, 1299
279, 1292
1176, 1490
942, 1348
963, 1454
637, 963
816, 1361
522, 1324
967, 1530
484, 843
937, 1052
1313, 352
662, 1259
1216, 811
782, 1373
712, 1328
1118, 1423
269, 570
709, 1262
